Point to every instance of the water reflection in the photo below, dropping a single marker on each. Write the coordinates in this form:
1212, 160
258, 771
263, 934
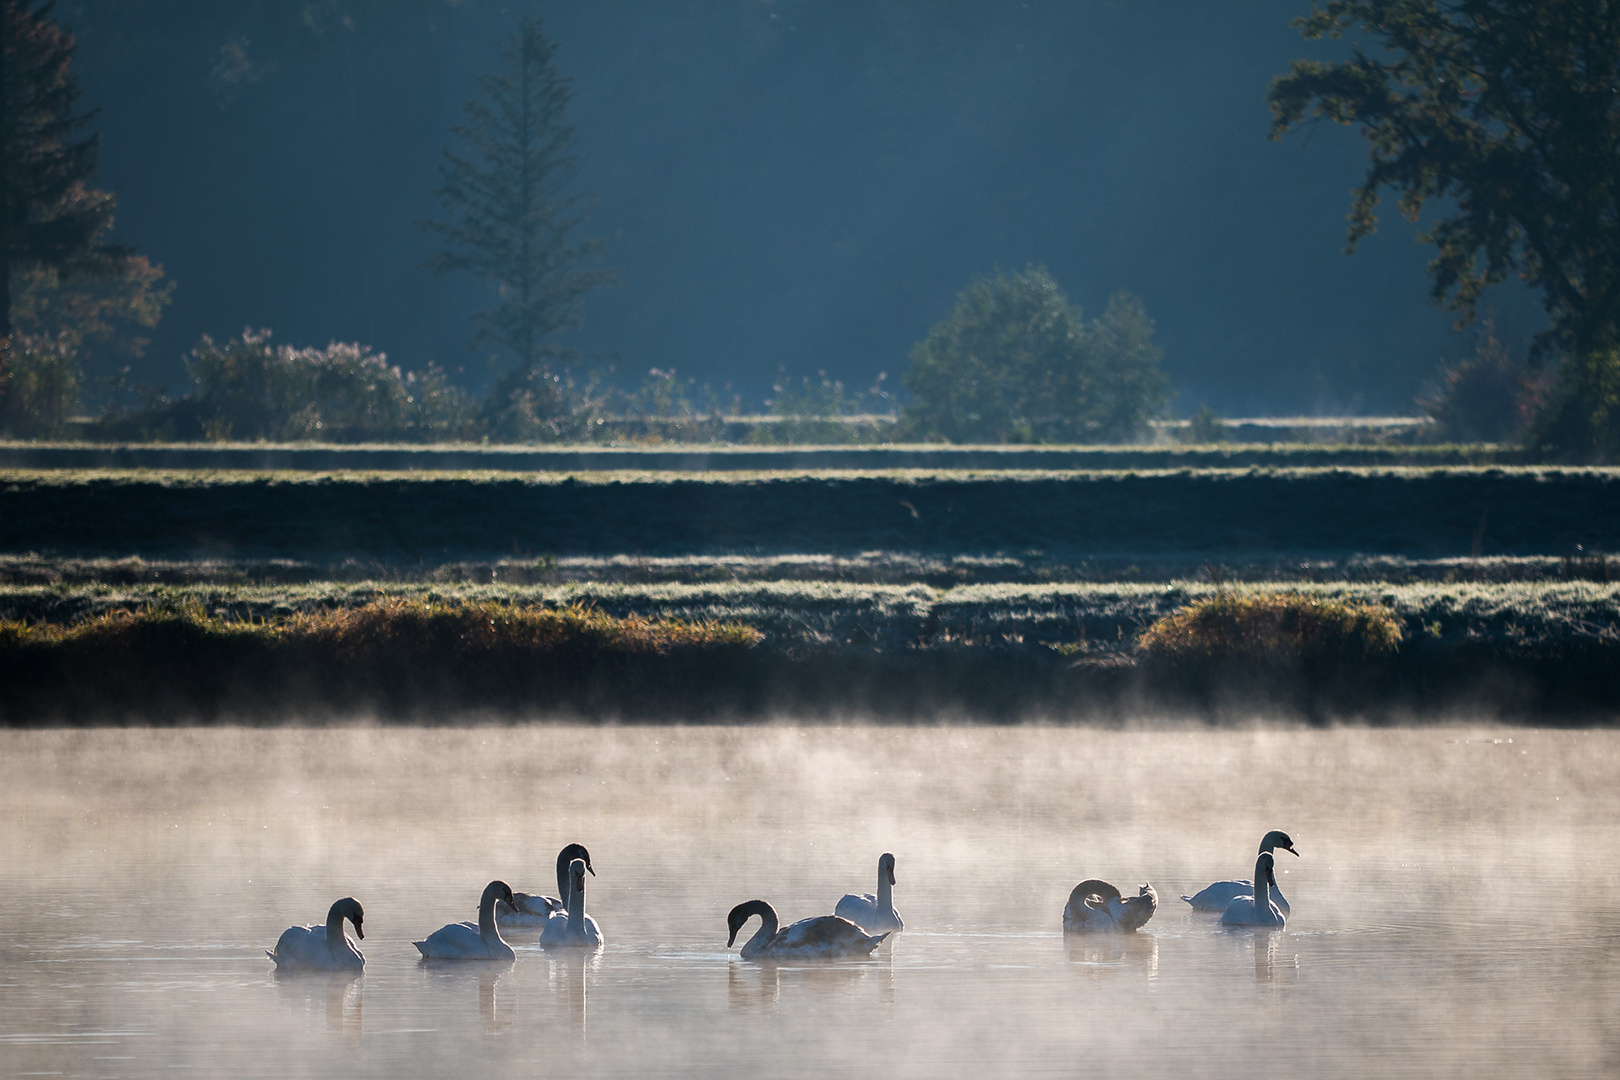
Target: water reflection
1273, 962
754, 987
338, 993
570, 974
1101, 954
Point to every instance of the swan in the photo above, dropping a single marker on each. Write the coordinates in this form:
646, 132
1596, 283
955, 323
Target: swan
532, 909
464, 941
874, 912
322, 948
1217, 896
814, 938
1259, 909
575, 928
1097, 905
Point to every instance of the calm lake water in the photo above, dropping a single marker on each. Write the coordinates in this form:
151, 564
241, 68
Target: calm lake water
1456, 908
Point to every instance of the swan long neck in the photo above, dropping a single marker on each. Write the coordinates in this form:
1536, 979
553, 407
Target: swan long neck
1262, 882
486, 915
767, 930
576, 899
336, 940
885, 893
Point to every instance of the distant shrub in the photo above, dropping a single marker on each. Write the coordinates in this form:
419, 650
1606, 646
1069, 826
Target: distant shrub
539, 405
43, 386
250, 390
1014, 361
1281, 629
1206, 427
1483, 398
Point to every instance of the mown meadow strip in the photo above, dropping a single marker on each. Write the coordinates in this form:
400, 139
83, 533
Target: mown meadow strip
428, 518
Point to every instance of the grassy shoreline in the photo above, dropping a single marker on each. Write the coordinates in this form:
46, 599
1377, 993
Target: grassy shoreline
675, 653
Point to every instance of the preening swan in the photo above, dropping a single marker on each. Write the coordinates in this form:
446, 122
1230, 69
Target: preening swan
824, 936
1097, 905
532, 909
873, 913
464, 941
322, 948
1217, 896
575, 928
1259, 909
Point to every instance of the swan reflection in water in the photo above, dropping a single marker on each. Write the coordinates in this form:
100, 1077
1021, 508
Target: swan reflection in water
498, 1010
758, 987
337, 993
569, 978
1270, 966
1098, 955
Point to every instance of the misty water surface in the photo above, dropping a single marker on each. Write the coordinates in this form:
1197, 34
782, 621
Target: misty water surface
1456, 910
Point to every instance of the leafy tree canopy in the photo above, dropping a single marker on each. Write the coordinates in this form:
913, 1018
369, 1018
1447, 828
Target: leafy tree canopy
1509, 112
1015, 361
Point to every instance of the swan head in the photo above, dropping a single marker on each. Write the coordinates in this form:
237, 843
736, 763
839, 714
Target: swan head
1276, 838
1135, 911
567, 855
576, 875
886, 866
498, 890
745, 911
1266, 866
349, 908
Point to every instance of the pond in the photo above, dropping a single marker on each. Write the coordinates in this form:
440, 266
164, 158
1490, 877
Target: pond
1456, 905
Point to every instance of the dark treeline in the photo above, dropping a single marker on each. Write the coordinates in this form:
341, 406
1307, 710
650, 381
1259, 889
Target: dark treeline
522, 199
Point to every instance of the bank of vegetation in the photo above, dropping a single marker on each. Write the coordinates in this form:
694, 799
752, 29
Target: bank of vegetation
1103, 652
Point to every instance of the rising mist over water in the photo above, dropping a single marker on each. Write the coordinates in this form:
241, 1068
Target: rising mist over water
1453, 908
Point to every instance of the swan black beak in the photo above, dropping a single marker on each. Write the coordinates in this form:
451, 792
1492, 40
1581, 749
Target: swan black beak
359, 932
1292, 852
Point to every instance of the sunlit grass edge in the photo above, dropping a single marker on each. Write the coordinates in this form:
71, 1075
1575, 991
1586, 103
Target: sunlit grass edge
1273, 628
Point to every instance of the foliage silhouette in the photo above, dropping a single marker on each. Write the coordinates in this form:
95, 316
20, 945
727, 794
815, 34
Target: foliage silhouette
1506, 112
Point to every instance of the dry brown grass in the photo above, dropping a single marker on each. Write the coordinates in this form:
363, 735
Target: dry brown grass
393, 625
1273, 628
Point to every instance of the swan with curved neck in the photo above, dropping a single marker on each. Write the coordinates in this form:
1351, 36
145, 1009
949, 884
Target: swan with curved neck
874, 912
1259, 909
323, 948
821, 937
464, 941
575, 928
1097, 905
533, 909
1218, 896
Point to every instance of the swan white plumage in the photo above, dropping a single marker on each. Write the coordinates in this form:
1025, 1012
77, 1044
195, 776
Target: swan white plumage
575, 928
464, 941
1097, 905
533, 909
872, 913
1218, 896
1259, 909
821, 937
323, 948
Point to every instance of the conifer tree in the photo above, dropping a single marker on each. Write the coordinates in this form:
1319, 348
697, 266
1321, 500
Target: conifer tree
509, 213
48, 217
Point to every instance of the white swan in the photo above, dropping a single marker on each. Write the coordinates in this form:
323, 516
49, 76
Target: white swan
1259, 909
1097, 905
322, 948
464, 941
824, 936
872, 913
576, 928
1216, 897
532, 909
